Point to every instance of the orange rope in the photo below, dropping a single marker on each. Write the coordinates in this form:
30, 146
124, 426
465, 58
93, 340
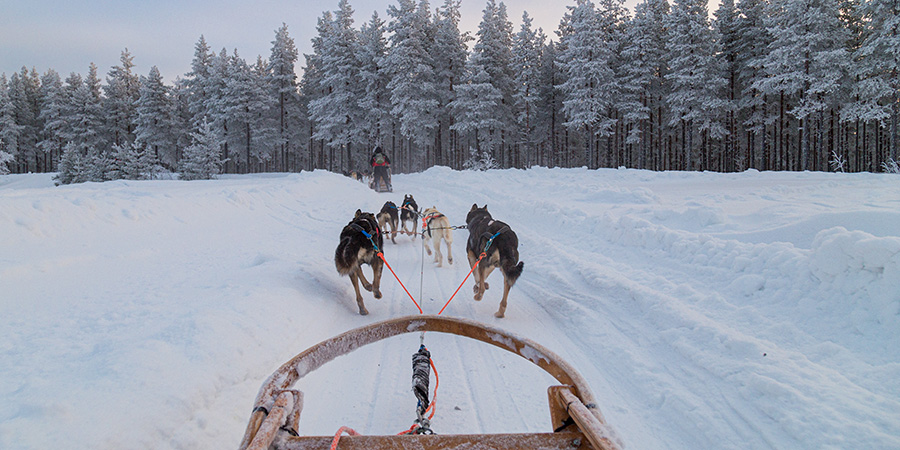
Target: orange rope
337, 436
483, 254
381, 255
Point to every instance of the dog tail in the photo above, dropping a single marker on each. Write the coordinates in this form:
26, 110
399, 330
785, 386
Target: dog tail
513, 271
344, 256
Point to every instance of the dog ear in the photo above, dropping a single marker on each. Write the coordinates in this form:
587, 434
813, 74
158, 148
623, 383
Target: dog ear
358, 212
474, 206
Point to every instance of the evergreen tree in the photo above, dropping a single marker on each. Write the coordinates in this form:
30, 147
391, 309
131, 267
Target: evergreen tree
589, 87
806, 61
85, 156
726, 26
122, 92
475, 108
494, 50
696, 97
202, 159
9, 130
52, 121
410, 68
753, 42
643, 82
195, 84
375, 104
336, 114
154, 123
449, 67
287, 108
526, 69
24, 93
877, 93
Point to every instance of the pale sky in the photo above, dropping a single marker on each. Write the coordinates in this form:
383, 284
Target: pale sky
67, 35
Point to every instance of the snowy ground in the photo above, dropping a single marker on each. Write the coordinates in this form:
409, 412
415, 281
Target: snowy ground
752, 310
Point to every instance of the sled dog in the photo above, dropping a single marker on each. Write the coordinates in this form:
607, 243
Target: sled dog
355, 249
389, 215
502, 252
436, 226
409, 212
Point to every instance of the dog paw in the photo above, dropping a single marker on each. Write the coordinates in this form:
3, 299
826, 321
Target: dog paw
498, 315
363, 312
428, 250
367, 286
486, 286
450, 260
377, 293
477, 297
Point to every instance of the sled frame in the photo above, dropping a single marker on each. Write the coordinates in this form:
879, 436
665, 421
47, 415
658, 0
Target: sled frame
573, 410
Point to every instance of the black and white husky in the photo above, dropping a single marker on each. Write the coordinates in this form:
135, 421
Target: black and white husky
389, 215
501, 248
359, 239
409, 212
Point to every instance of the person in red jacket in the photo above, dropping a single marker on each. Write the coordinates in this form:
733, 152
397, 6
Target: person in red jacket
380, 164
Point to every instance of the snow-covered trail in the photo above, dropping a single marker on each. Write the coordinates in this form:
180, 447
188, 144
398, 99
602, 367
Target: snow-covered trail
753, 310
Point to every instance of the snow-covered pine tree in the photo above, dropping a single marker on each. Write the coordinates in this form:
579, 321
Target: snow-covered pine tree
449, 68
526, 69
86, 156
122, 92
202, 159
375, 103
51, 119
411, 79
194, 85
24, 93
261, 122
336, 114
726, 26
549, 112
494, 50
589, 89
752, 44
696, 98
806, 62
475, 108
643, 82
877, 93
9, 130
287, 109
154, 122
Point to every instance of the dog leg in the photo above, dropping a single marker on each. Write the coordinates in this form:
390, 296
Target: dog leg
427, 246
475, 273
359, 300
438, 257
502, 311
377, 269
449, 253
366, 285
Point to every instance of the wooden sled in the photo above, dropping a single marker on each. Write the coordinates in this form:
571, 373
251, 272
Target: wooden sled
573, 411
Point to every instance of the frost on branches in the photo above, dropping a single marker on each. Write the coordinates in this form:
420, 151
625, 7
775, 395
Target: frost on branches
480, 161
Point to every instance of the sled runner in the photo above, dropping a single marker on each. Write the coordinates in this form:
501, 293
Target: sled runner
574, 416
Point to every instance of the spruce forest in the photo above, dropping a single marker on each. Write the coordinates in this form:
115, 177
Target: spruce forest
789, 85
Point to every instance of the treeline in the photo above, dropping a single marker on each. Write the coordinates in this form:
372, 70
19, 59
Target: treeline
771, 85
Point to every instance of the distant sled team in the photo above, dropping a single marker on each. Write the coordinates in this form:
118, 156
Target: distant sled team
492, 244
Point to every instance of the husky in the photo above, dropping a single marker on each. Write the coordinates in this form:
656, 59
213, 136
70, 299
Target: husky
436, 226
389, 216
409, 212
361, 240
501, 248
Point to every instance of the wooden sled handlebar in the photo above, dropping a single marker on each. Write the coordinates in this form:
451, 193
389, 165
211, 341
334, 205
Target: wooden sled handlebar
277, 407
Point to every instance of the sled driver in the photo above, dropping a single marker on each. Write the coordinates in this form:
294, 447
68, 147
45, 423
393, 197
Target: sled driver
380, 164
